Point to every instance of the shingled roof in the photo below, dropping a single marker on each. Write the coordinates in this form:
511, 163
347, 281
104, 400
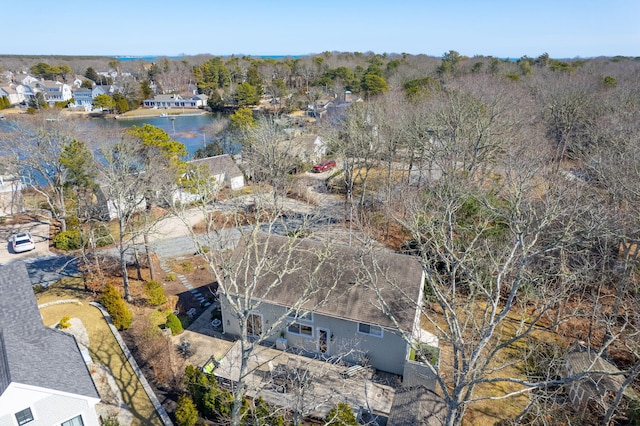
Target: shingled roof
219, 164
30, 353
340, 281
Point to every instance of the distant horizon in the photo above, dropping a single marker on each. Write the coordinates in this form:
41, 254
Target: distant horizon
491, 28
295, 56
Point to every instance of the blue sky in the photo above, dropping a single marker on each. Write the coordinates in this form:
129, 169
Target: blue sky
501, 28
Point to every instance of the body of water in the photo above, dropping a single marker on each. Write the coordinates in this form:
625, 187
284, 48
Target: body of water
191, 130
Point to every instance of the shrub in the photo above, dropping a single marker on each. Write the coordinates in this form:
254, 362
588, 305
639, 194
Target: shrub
341, 415
155, 293
64, 323
117, 308
174, 324
171, 276
203, 250
73, 222
68, 240
111, 420
187, 267
102, 237
186, 412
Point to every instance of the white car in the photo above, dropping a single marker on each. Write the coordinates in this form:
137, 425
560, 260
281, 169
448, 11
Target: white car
22, 242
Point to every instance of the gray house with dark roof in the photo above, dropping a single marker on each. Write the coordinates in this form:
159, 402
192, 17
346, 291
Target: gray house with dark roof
43, 377
338, 301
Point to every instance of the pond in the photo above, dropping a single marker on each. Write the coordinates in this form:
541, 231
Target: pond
192, 130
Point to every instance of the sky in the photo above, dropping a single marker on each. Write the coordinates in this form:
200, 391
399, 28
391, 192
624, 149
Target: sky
499, 28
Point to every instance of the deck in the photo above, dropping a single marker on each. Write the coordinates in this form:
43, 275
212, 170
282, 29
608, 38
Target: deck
287, 379
297, 382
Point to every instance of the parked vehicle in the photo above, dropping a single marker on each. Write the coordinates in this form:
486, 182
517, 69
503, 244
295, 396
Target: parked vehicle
22, 242
323, 166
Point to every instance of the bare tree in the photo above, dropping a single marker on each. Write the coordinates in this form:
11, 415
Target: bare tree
499, 262
131, 177
35, 147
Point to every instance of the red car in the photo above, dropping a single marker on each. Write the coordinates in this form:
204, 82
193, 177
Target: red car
325, 165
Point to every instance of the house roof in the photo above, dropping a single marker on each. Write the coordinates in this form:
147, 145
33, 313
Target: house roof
220, 164
336, 280
606, 377
306, 143
30, 353
415, 404
167, 97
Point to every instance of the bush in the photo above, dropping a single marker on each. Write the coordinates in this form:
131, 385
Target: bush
68, 240
117, 308
186, 412
111, 420
171, 276
64, 323
73, 222
174, 324
341, 415
187, 267
155, 293
102, 237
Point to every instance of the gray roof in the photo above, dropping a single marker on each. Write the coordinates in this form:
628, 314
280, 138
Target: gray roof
346, 284
415, 404
606, 377
220, 164
30, 353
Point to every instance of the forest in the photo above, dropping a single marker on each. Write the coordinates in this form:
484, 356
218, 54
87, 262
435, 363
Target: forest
513, 183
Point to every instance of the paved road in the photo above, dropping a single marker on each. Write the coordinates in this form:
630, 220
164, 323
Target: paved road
46, 270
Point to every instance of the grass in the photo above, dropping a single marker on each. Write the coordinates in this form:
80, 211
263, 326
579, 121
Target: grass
507, 363
103, 346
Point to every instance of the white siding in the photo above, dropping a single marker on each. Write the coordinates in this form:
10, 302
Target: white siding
47, 408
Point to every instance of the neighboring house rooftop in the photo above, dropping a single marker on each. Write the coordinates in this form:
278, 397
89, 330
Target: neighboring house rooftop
220, 164
349, 285
602, 381
30, 353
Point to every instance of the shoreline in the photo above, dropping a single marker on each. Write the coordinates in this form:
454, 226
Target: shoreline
160, 113
133, 114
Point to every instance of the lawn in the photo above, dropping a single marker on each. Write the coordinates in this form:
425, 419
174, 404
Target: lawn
103, 346
507, 363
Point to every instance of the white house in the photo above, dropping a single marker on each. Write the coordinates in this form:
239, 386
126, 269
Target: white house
310, 148
83, 97
223, 170
175, 101
55, 91
43, 377
10, 92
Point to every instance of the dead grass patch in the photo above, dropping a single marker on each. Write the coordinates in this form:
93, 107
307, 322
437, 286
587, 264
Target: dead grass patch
508, 363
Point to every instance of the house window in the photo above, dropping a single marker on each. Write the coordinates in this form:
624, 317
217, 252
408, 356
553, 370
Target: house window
371, 330
25, 416
302, 329
254, 324
76, 421
301, 316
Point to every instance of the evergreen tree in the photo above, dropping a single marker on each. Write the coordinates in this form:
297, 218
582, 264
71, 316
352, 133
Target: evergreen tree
113, 302
186, 412
91, 74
